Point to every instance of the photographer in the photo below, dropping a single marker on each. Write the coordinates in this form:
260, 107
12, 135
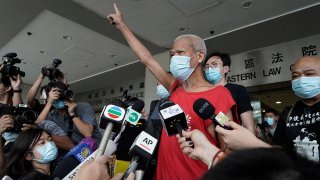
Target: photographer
10, 92
77, 119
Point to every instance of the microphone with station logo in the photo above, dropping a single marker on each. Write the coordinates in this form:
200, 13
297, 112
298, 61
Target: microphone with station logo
142, 147
173, 118
206, 110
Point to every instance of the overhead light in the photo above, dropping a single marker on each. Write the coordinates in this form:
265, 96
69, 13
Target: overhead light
278, 102
113, 56
115, 64
264, 110
66, 37
247, 4
43, 52
183, 29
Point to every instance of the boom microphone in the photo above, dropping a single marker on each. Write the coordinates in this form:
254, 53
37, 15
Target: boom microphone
206, 110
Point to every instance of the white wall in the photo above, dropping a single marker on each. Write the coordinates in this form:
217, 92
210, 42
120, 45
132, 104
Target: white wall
150, 80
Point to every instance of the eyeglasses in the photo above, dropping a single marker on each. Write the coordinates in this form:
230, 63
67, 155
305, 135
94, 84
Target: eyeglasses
211, 65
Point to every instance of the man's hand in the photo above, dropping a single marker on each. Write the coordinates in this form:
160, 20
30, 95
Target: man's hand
203, 150
239, 137
16, 82
54, 94
29, 126
6, 122
71, 107
116, 18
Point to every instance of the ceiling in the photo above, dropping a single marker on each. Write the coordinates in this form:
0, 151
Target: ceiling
97, 55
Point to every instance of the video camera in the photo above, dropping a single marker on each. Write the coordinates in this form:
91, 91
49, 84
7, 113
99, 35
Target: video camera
22, 114
52, 72
9, 70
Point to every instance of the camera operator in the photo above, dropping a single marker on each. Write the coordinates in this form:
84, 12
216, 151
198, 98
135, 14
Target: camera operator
53, 74
10, 92
77, 119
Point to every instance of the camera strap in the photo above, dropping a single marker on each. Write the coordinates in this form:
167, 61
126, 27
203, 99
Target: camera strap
70, 128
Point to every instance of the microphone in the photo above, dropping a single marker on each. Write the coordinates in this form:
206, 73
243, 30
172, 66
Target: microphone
172, 117
206, 110
133, 112
111, 114
75, 156
142, 147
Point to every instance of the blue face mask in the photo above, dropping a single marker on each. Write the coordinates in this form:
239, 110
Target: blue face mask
162, 92
58, 104
180, 67
213, 75
306, 87
48, 152
269, 120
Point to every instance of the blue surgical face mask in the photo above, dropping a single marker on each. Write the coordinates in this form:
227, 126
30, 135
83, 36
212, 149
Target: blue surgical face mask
180, 67
58, 104
48, 152
306, 87
162, 92
213, 75
269, 120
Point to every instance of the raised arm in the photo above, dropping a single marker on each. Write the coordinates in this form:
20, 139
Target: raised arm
33, 91
140, 50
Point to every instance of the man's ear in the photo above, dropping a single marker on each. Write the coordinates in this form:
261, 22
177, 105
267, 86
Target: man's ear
201, 57
226, 69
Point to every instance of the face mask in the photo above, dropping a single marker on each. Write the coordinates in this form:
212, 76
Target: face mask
306, 87
58, 104
180, 67
162, 92
213, 75
269, 120
48, 152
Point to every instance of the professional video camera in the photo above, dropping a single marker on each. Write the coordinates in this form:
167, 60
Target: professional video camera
22, 114
9, 70
66, 95
52, 72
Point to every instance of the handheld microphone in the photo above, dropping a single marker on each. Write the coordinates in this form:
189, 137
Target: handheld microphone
142, 147
110, 114
75, 156
206, 110
133, 112
172, 117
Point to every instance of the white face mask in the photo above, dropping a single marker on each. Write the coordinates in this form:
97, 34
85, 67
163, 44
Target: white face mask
180, 67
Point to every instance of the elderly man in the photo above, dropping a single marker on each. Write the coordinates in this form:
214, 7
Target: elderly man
186, 85
298, 128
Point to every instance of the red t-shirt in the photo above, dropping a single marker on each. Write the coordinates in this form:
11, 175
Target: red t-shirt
172, 163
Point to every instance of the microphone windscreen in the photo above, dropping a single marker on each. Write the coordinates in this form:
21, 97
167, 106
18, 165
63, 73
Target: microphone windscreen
203, 108
138, 105
165, 103
65, 166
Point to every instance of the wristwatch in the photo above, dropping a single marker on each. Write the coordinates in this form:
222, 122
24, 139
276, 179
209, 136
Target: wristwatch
17, 91
74, 115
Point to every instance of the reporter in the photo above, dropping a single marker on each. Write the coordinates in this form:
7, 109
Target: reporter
31, 155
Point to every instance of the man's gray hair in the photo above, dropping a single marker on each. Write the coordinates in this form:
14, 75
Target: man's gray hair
195, 42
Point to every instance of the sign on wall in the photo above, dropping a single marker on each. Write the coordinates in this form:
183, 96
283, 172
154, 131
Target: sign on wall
271, 64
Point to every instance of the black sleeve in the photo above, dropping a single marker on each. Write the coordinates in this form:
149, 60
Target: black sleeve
244, 100
279, 137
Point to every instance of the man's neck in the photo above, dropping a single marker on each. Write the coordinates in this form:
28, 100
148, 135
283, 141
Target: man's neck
311, 101
195, 81
222, 82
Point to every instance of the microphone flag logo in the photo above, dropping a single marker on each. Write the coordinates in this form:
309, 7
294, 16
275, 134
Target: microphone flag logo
114, 112
132, 116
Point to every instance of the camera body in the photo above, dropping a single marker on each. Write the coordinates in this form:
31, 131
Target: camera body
9, 70
66, 95
52, 72
22, 114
